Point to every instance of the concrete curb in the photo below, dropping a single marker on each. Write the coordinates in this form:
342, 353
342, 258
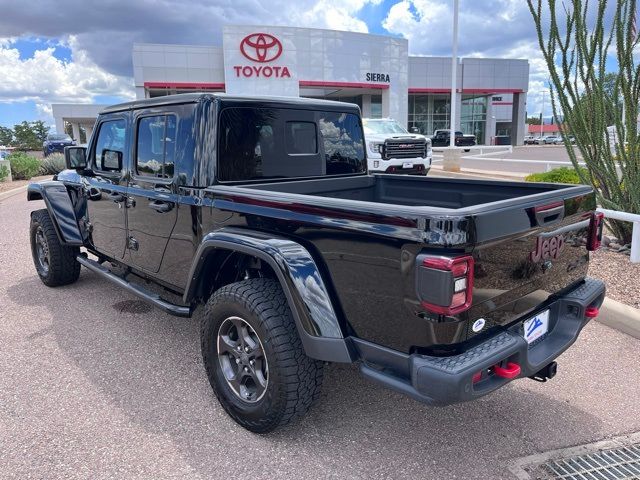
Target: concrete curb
12, 192
620, 317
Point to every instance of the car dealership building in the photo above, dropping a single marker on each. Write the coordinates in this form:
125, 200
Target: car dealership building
374, 71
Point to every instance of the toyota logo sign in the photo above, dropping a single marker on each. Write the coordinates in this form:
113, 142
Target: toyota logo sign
261, 47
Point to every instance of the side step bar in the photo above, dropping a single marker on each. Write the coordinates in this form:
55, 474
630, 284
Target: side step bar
153, 298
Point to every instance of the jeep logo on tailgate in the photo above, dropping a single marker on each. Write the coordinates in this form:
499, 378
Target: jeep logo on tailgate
547, 248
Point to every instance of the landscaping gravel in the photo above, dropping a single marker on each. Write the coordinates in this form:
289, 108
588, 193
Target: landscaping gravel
620, 275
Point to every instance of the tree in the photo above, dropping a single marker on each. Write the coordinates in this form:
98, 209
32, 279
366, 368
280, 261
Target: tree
533, 120
41, 130
575, 39
30, 135
6, 136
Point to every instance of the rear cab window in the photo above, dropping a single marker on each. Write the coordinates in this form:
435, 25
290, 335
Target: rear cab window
275, 143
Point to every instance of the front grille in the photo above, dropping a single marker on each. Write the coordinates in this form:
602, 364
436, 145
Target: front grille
409, 148
616, 464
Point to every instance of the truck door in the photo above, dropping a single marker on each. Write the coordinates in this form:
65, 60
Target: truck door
107, 189
152, 192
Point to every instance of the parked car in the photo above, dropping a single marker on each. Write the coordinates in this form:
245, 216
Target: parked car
547, 140
391, 149
56, 142
530, 140
441, 139
259, 212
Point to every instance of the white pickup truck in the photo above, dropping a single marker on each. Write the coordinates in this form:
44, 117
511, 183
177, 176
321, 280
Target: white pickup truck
391, 149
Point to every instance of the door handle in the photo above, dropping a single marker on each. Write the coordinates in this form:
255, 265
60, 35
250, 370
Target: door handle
161, 207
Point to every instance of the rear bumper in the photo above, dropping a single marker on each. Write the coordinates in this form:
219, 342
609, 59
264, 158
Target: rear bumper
447, 380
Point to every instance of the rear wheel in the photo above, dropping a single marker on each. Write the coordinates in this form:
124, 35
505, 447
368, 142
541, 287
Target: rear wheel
55, 263
254, 358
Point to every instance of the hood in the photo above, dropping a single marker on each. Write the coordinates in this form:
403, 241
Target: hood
381, 137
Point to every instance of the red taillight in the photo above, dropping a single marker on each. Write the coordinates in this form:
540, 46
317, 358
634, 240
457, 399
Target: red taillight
595, 231
461, 269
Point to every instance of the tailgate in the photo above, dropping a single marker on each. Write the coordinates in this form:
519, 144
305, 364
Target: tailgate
516, 274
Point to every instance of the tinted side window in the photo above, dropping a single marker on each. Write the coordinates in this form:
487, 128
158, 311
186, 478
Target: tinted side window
156, 146
110, 144
263, 143
343, 144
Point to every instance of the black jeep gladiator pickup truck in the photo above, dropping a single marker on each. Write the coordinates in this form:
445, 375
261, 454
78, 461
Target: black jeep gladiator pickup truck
261, 211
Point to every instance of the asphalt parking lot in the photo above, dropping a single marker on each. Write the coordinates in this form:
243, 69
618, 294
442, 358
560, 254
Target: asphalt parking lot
95, 384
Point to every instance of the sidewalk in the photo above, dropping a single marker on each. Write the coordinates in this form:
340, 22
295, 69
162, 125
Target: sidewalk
437, 170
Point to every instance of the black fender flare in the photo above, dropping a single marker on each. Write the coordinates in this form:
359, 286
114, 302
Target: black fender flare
58, 203
301, 281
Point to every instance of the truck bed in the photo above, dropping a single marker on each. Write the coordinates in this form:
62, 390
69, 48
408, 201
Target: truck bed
440, 193
368, 230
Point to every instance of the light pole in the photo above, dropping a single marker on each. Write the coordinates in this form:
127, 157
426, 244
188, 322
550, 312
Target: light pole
542, 114
451, 156
454, 76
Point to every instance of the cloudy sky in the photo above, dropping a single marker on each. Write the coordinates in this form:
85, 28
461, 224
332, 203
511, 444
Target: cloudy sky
79, 51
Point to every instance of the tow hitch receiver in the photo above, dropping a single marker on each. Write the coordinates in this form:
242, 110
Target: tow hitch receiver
547, 373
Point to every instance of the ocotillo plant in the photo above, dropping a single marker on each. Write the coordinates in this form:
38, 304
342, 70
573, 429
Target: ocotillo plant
581, 42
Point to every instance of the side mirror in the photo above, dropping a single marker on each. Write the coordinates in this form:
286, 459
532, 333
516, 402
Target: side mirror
75, 157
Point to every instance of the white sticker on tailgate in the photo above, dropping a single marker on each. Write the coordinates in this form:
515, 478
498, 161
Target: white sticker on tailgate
537, 326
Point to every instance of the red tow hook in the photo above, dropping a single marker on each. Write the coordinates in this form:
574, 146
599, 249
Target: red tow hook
512, 370
591, 312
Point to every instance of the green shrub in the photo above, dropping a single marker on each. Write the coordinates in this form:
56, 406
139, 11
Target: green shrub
557, 175
4, 172
53, 164
23, 166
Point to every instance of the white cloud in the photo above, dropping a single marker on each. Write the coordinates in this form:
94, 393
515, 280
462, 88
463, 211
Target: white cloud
44, 79
498, 29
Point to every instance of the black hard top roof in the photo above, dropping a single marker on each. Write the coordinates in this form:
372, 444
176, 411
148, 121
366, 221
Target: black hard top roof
182, 98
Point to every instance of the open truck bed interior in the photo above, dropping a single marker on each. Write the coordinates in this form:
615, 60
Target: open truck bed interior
445, 193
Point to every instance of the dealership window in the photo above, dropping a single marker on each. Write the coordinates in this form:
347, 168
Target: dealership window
376, 106
429, 113
263, 143
473, 116
156, 146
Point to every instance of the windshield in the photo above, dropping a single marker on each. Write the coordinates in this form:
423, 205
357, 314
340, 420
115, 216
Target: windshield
382, 126
58, 137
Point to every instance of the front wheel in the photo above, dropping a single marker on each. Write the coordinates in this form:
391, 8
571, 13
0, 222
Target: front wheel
55, 263
254, 358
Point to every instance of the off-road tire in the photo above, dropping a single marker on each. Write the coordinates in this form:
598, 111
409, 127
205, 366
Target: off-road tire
294, 380
63, 268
